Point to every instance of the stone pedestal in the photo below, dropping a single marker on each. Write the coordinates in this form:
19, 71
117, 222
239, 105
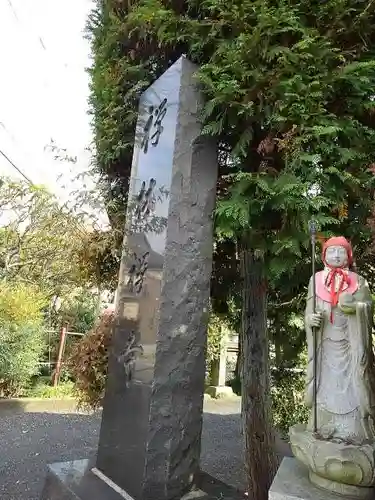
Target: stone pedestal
292, 483
150, 438
333, 465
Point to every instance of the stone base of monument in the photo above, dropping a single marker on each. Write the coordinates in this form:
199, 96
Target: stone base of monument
80, 480
346, 469
219, 391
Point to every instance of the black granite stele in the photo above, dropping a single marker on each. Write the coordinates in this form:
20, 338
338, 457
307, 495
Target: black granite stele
150, 438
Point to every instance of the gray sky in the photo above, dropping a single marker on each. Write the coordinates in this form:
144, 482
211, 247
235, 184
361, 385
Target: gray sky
44, 88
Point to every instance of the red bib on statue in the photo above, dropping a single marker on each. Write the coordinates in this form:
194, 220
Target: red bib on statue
324, 293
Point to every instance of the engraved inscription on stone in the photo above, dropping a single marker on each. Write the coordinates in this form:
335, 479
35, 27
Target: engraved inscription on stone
154, 128
128, 357
137, 272
145, 200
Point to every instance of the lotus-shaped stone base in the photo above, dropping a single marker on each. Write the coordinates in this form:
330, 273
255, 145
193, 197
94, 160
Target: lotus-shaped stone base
339, 467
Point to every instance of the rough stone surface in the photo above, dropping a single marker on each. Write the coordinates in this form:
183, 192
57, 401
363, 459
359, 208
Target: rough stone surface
175, 424
339, 467
292, 483
152, 414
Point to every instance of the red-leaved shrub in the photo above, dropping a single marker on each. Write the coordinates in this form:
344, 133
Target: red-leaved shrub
88, 363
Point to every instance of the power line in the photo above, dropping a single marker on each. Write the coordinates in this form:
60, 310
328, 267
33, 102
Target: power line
15, 166
13, 9
60, 209
40, 39
11, 135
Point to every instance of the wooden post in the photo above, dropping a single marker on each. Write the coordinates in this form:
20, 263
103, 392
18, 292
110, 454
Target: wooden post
56, 373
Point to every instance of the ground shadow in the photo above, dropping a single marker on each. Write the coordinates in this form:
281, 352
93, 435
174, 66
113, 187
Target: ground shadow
223, 448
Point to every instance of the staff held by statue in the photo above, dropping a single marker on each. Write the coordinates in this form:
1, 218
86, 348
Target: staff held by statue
312, 226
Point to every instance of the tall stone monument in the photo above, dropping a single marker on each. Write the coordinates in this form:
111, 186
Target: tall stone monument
150, 438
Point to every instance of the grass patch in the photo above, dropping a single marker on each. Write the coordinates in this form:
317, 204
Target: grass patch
43, 389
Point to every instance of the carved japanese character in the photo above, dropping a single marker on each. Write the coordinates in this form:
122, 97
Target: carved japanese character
147, 129
155, 119
137, 272
160, 115
145, 200
128, 357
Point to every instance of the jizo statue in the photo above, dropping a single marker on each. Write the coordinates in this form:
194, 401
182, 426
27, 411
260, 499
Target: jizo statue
345, 364
338, 443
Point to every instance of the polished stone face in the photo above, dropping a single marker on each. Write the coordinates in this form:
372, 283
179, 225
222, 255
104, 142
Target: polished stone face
74, 480
152, 415
124, 430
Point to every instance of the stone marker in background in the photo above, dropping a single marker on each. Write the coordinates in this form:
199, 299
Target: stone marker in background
150, 437
219, 387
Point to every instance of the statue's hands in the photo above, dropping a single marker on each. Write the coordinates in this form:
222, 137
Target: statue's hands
314, 320
347, 303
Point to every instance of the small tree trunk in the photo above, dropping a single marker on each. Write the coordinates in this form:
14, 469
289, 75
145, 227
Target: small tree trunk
260, 455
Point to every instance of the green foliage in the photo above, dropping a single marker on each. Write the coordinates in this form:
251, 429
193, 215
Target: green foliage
288, 89
20, 304
43, 389
287, 335
99, 257
289, 94
288, 407
55, 248
22, 338
21, 348
79, 311
122, 69
39, 238
217, 331
291, 99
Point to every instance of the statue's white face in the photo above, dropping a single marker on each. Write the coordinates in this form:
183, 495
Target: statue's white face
336, 256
